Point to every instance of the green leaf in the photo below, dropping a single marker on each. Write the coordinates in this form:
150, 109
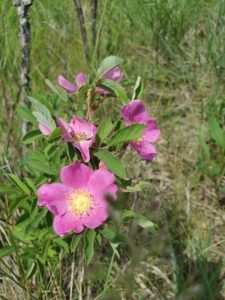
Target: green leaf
108, 64
75, 242
146, 224
15, 203
105, 128
6, 251
31, 185
55, 135
112, 163
25, 114
128, 214
31, 136
127, 134
89, 245
44, 254
5, 188
216, 132
112, 235
42, 114
59, 91
18, 183
62, 244
114, 88
138, 187
137, 89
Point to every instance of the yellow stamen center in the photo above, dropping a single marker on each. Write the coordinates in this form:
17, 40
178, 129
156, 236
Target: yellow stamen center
80, 137
79, 202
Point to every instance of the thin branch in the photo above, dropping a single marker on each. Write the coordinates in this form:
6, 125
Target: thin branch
83, 30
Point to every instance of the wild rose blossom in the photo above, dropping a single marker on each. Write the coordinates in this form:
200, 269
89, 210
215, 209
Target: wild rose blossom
79, 201
82, 79
135, 113
80, 133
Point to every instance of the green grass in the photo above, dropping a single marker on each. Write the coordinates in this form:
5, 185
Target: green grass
178, 48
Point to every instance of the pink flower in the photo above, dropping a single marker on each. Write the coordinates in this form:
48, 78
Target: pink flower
82, 79
44, 129
135, 113
80, 133
79, 201
115, 74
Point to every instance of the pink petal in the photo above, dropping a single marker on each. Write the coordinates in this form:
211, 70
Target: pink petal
83, 127
67, 222
97, 216
44, 129
65, 130
76, 175
53, 196
114, 74
134, 112
81, 79
101, 91
101, 183
145, 149
151, 123
67, 85
84, 148
151, 136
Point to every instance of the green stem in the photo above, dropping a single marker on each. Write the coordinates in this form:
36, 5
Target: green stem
98, 35
107, 276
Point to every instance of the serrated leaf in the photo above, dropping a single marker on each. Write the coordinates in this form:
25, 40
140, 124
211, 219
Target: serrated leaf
114, 88
137, 187
108, 64
62, 244
31, 136
137, 89
146, 224
6, 251
15, 203
112, 163
42, 114
75, 242
216, 132
90, 236
127, 134
18, 183
112, 235
59, 91
128, 214
104, 129
31, 185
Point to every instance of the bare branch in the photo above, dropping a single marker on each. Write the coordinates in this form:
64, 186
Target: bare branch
23, 7
83, 30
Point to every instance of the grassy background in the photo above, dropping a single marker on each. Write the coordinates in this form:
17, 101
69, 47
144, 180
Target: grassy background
178, 47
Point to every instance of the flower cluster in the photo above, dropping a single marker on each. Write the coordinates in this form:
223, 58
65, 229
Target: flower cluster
80, 200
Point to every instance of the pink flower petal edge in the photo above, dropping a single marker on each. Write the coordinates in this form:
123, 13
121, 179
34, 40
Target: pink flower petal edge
45, 130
